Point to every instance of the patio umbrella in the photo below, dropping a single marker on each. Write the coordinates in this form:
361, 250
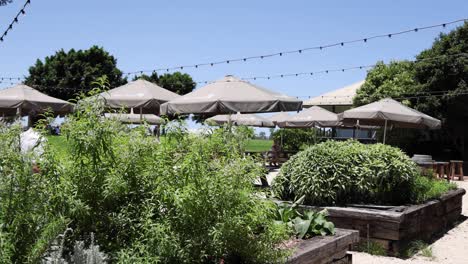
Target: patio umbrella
279, 117
24, 100
139, 94
135, 118
311, 117
242, 120
230, 95
388, 112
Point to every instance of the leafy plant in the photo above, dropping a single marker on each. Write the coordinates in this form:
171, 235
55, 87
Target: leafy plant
347, 172
312, 224
426, 188
305, 224
187, 198
31, 208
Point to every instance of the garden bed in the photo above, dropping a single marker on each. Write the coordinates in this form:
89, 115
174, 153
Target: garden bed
394, 227
326, 249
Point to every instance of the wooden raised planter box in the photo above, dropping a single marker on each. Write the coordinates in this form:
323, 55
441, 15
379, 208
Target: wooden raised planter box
394, 227
326, 249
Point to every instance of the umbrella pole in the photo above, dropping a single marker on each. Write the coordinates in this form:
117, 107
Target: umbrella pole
281, 134
141, 115
229, 122
385, 131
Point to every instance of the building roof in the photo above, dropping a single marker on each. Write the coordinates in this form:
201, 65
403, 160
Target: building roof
342, 96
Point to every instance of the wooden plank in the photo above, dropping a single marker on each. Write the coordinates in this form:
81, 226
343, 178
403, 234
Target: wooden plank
452, 193
322, 249
397, 225
366, 214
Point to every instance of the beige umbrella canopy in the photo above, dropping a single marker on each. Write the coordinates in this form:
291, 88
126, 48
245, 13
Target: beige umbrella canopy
139, 94
343, 96
311, 117
230, 95
242, 120
279, 117
388, 112
24, 100
135, 118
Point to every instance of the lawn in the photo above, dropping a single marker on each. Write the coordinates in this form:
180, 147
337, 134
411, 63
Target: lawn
59, 144
258, 145
254, 145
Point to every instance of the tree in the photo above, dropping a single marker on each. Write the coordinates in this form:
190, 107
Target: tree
262, 135
65, 74
436, 84
393, 80
177, 82
448, 74
154, 78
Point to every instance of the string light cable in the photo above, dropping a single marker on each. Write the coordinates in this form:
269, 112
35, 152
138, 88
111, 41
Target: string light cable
303, 74
333, 70
20, 13
303, 50
11, 78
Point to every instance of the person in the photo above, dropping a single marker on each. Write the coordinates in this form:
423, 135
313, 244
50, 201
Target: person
274, 154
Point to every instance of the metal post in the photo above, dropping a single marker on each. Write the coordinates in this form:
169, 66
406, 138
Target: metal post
141, 115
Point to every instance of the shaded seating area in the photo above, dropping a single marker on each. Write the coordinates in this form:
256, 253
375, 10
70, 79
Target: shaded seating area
449, 170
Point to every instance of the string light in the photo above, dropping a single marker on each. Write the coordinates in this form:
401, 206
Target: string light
22, 12
301, 51
298, 74
416, 94
11, 78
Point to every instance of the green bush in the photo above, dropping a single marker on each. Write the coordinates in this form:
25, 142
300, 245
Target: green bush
31, 207
185, 199
426, 188
295, 139
340, 173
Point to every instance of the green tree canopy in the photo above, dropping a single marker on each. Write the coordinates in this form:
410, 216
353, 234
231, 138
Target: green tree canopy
177, 82
432, 84
65, 74
393, 80
447, 75
435, 84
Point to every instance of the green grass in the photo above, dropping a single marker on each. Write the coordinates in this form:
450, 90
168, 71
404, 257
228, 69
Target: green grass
372, 248
419, 247
258, 145
59, 144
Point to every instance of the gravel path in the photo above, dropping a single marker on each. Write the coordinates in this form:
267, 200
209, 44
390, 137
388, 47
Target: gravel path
452, 248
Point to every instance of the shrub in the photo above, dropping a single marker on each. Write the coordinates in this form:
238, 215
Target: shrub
186, 199
347, 172
426, 188
31, 208
202, 208
295, 138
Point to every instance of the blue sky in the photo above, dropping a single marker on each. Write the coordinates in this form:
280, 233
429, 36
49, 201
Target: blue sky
148, 34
